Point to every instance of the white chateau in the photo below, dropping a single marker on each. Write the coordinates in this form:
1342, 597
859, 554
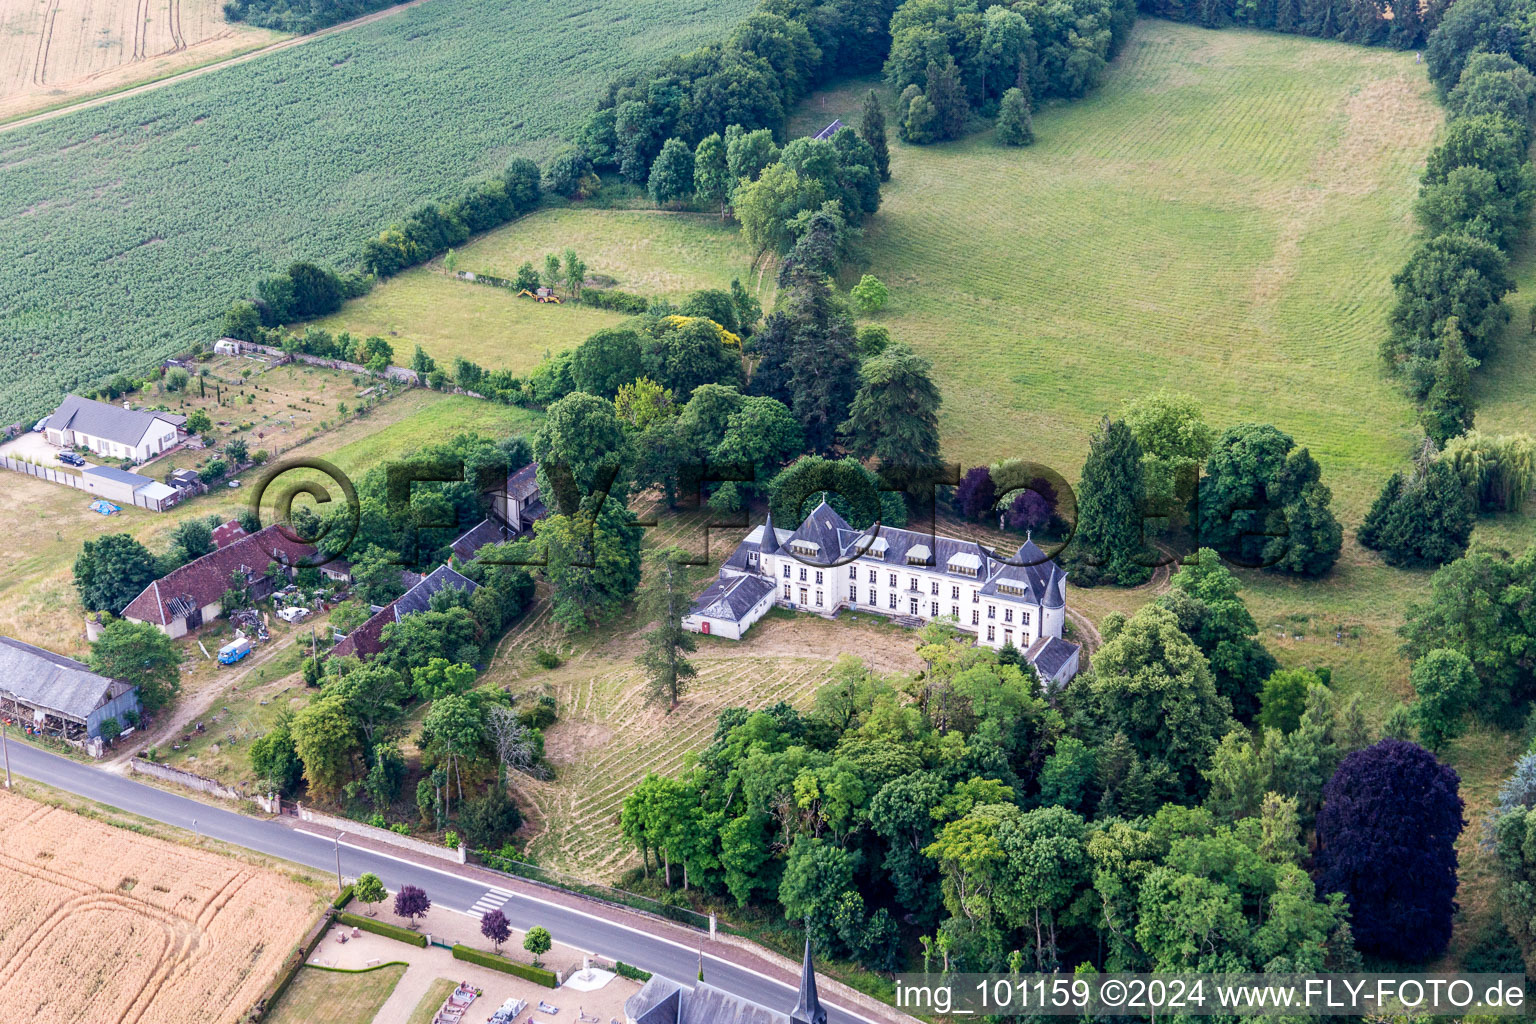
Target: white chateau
826, 566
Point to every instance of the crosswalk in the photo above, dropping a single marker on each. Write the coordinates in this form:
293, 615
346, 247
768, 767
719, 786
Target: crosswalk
493, 899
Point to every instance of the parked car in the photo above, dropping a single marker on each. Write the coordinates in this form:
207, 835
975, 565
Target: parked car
40, 424
71, 459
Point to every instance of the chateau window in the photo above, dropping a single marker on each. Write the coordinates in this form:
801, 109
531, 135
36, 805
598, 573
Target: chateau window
954, 593
975, 617
1025, 618
912, 606
991, 634
912, 583
954, 612
1007, 636
786, 591
933, 609
933, 588
991, 611
818, 578
818, 599
786, 570
802, 574
853, 595
893, 579
853, 572
1007, 614
873, 577
893, 602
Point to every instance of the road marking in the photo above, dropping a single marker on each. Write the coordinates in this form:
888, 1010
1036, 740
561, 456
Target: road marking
493, 899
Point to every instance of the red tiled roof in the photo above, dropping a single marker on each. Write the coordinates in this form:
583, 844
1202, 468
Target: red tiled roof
228, 533
366, 640
204, 580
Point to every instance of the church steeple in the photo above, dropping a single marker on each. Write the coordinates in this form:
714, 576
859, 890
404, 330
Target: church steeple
808, 1010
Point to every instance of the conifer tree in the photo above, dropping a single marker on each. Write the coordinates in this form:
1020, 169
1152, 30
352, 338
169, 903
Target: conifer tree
665, 599
872, 131
1449, 408
1109, 508
894, 416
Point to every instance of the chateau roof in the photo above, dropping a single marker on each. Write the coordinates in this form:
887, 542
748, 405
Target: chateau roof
731, 597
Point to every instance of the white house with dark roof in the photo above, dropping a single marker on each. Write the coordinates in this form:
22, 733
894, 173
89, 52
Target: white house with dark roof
113, 431
825, 566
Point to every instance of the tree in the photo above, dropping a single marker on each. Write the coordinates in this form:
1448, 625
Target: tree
370, 890
518, 746
894, 415
814, 343
566, 172
1175, 440
573, 273
1285, 698
1447, 276
581, 449
1449, 408
761, 434
537, 942
592, 562
274, 759
326, 740
111, 571
816, 874
976, 494
869, 294
872, 131
489, 821
1387, 836
139, 654
944, 91
671, 173
494, 926
1423, 519
1109, 507
607, 360
1446, 685
411, 903
199, 422
767, 206
1015, 126
1151, 683
712, 180
664, 601
191, 539
1205, 599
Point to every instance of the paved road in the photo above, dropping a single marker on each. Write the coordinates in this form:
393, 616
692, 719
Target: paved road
582, 930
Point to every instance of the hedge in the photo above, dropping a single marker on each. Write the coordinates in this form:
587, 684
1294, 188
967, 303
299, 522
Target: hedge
341, 901
609, 298
624, 970
389, 931
356, 970
537, 975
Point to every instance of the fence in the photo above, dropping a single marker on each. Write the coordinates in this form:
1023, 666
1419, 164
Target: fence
75, 480
401, 373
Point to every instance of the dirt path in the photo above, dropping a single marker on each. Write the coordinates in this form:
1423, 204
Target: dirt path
181, 76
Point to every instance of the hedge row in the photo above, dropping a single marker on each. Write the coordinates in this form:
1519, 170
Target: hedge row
537, 975
612, 298
357, 970
624, 970
341, 901
389, 931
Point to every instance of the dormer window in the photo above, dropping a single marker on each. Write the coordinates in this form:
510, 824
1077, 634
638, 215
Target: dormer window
805, 548
1010, 588
965, 565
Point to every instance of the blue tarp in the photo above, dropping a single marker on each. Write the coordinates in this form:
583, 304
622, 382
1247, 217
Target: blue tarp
106, 508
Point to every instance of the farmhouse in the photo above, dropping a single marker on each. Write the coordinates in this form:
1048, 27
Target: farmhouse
664, 1001
192, 594
826, 566
367, 640
117, 432
58, 696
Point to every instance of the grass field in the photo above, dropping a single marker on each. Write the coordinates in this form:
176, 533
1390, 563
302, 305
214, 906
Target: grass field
431, 1001
336, 997
1222, 218
125, 228
643, 251
54, 51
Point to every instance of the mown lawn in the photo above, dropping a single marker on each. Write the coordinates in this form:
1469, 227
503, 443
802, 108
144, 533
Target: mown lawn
648, 252
336, 997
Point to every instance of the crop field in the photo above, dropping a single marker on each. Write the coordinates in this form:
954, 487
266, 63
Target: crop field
1222, 218
647, 252
54, 51
126, 228
104, 924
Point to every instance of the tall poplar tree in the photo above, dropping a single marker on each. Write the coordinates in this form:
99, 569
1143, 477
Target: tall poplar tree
1109, 506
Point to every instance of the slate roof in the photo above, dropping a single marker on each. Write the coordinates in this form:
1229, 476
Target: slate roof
830, 130
98, 419
418, 597
1049, 654
664, 1001
731, 597
487, 531
203, 581
52, 681
368, 639
524, 483
824, 529
122, 476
